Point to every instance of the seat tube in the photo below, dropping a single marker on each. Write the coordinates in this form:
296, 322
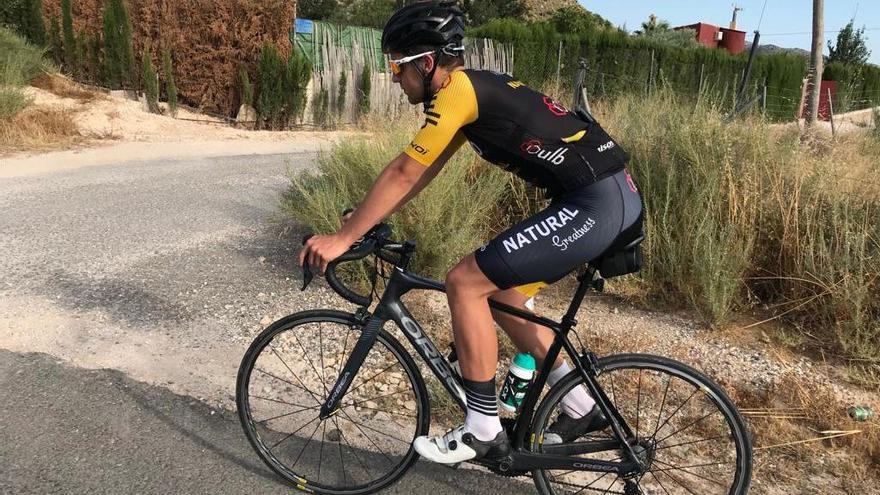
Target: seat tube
363, 346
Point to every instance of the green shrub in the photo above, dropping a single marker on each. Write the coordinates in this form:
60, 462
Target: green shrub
12, 101
364, 91
744, 214
118, 48
246, 88
339, 104
296, 79
151, 83
448, 219
170, 86
271, 98
25, 18
320, 107
20, 61
70, 55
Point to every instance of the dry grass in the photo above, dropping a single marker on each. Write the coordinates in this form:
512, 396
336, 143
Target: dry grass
795, 434
38, 129
64, 87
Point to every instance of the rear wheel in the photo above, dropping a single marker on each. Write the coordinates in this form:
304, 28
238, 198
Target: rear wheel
688, 432
284, 379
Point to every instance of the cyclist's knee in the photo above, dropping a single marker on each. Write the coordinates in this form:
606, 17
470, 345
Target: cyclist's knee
466, 277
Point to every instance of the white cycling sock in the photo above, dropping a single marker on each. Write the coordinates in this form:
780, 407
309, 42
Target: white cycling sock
577, 402
482, 409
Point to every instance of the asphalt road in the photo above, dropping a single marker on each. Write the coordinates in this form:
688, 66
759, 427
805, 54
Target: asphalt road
128, 293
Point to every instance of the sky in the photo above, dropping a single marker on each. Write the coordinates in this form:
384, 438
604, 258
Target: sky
781, 18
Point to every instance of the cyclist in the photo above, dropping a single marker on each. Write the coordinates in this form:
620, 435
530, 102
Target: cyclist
594, 203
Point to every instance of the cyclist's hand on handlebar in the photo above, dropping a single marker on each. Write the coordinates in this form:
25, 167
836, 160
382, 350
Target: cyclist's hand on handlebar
320, 250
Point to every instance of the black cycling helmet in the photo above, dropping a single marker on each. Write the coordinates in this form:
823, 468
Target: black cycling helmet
437, 24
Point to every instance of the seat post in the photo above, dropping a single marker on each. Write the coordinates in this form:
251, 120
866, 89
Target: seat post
586, 282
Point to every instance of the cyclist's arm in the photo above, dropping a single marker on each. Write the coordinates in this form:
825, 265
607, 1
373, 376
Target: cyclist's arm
399, 182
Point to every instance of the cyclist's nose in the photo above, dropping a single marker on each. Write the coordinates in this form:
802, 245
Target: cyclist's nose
395, 78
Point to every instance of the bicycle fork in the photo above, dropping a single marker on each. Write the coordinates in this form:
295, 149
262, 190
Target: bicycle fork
363, 346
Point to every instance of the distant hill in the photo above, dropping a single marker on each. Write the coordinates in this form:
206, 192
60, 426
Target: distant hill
541, 9
773, 49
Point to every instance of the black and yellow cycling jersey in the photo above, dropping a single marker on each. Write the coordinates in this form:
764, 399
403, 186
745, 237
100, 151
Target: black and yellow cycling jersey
511, 125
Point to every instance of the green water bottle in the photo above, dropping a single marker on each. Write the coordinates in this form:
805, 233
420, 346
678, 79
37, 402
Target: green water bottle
519, 377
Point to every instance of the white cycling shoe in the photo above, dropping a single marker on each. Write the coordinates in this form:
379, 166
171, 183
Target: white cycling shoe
459, 445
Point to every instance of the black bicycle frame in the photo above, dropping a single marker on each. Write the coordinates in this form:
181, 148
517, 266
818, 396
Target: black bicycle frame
390, 307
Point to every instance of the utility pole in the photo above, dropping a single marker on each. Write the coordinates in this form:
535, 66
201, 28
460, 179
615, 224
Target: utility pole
816, 63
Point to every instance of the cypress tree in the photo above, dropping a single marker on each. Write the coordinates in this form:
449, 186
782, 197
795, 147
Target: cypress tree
339, 107
247, 89
151, 85
69, 39
364, 97
297, 75
25, 17
170, 87
118, 45
270, 99
55, 47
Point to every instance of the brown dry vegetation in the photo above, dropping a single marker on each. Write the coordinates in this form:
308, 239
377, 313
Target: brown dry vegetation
206, 53
38, 129
65, 88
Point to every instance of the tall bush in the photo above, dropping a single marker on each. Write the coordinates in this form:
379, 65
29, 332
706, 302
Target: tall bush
69, 39
170, 86
246, 88
26, 18
364, 91
56, 47
296, 79
151, 83
339, 102
320, 108
270, 99
118, 45
20, 62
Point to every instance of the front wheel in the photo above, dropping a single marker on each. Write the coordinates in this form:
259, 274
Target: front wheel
688, 432
284, 379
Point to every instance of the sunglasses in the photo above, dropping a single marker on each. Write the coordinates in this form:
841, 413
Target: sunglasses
396, 66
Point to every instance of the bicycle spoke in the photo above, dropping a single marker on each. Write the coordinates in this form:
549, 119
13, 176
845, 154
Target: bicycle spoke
662, 406
616, 477
388, 412
314, 396
565, 483
339, 444
301, 387
717, 411
719, 437
351, 448
638, 402
279, 401
314, 370
285, 414
674, 413
684, 469
303, 449
592, 483
292, 433
361, 401
679, 483
321, 455
373, 377
358, 426
659, 483
321, 353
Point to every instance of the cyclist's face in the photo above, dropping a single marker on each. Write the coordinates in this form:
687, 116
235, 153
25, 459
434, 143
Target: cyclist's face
409, 78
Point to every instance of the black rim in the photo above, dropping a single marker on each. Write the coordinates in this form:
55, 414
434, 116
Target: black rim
367, 444
690, 435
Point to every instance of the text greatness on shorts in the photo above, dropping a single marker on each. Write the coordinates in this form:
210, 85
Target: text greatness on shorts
546, 227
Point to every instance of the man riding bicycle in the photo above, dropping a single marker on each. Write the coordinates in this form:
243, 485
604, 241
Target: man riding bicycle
594, 202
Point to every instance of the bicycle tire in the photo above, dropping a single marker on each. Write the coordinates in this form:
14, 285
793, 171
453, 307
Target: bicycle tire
644, 364
258, 433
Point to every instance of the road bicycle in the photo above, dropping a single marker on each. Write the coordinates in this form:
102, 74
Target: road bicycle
331, 401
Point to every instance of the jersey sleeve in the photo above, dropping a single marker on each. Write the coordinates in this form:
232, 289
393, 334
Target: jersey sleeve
453, 106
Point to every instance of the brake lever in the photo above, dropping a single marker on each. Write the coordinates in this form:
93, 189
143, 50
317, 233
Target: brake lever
308, 276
